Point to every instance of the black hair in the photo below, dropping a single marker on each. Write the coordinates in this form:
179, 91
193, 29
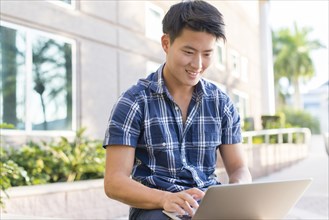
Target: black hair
196, 15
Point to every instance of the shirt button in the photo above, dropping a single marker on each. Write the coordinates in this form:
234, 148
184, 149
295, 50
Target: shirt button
184, 160
176, 108
163, 144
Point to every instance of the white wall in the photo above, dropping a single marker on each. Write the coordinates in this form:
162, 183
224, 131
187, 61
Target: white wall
112, 49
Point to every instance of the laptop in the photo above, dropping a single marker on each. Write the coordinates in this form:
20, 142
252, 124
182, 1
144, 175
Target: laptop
258, 200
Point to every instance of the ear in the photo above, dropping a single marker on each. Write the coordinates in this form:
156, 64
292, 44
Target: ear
165, 42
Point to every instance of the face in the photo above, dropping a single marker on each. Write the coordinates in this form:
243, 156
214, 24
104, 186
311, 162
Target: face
187, 57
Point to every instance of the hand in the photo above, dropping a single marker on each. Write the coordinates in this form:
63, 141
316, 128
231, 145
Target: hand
182, 202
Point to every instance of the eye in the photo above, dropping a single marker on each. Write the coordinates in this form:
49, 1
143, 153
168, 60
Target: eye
188, 52
207, 54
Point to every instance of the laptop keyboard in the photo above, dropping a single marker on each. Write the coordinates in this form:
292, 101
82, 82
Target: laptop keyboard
184, 217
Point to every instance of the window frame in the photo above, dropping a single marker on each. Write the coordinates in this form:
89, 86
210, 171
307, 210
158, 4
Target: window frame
29, 65
63, 4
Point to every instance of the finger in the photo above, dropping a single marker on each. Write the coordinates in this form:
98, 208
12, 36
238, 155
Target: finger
196, 193
177, 208
175, 203
191, 199
189, 209
187, 203
191, 202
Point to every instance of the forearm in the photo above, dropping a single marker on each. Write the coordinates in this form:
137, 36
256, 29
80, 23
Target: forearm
133, 193
240, 175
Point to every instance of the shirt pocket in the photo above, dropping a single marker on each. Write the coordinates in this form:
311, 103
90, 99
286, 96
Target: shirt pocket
157, 141
164, 155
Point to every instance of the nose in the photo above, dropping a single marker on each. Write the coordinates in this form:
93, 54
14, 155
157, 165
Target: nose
196, 63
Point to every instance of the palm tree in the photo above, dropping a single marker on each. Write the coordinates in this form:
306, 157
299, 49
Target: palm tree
291, 50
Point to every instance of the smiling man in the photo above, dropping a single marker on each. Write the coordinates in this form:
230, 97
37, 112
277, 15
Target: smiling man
164, 132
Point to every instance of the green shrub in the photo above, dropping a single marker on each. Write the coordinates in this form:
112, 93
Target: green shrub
300, 118
271, 121
10, 174
56, 161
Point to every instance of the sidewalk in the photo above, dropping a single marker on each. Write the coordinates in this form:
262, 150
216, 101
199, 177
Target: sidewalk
314, 203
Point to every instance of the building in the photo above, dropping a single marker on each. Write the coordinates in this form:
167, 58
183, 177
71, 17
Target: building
65, 62
316, 102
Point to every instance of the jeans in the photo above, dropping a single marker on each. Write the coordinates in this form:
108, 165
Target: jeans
145, 214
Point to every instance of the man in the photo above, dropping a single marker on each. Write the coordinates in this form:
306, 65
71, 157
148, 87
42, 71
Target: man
165, 130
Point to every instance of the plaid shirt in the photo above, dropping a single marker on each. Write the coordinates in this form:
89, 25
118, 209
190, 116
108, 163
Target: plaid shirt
171, 155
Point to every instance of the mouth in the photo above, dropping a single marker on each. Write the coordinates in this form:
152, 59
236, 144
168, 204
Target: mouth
192, 73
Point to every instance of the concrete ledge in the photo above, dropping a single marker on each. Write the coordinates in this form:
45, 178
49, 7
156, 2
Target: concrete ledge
5, 216
87, 200
76, 200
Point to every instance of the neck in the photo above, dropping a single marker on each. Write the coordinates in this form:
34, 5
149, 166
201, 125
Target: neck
175, 88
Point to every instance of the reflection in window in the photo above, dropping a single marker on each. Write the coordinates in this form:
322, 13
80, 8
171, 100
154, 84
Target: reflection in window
13, 77
36, 90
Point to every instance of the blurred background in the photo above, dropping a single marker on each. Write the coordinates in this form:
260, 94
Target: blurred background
64, 63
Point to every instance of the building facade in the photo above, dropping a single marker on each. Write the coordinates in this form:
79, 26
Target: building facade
65, 62
316, 102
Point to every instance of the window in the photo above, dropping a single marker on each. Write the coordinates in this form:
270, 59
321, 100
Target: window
240, 101
36, 80
64, 3
153, 22
220, 56
244, 68
235, 67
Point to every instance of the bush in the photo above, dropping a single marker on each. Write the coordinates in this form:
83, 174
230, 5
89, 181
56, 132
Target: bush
302, 119
272, 121
56, 161
10, 173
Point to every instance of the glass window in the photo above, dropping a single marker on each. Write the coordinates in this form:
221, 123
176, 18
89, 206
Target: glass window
13, 77
153, 21
244, 68
36, 79
64, 3
220, 56
240, 101
235, 68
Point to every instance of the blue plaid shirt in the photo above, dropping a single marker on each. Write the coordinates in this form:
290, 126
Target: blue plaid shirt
171, 155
